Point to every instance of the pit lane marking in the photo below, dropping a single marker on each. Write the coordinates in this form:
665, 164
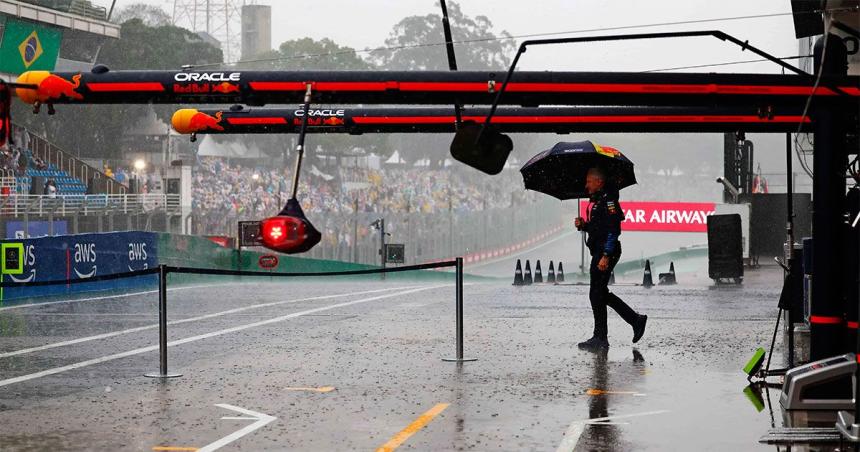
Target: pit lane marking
412, 428
600, 392
124, 295
574, 431
192, 319
174, 448
322, 389
138, 351
260, 421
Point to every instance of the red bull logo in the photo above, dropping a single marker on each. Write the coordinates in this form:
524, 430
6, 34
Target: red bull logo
606, 150
192, 121
225, 88
320, 122
49, 87
333, 121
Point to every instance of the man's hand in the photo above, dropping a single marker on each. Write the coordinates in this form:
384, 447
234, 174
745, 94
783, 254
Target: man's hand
579, 223
603, 265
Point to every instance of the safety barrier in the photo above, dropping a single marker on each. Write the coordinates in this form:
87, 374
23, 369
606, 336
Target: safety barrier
82, 258
163, 270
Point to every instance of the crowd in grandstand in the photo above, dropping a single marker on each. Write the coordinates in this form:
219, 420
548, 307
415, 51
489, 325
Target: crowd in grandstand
224, 190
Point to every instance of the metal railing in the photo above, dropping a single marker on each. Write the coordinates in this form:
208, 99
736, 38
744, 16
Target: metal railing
18, 205
63, 161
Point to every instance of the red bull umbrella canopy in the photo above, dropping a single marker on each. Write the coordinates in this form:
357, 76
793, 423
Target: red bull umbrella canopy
560, 171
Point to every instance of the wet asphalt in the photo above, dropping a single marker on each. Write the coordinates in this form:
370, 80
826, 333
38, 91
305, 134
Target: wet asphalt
379, 345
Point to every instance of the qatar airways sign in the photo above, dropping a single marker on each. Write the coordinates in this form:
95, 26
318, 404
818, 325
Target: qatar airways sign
663, 216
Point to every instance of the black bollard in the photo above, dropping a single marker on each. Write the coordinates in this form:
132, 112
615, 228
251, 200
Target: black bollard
550, 276
612, 278
518, 274
647, 282
538, 274
527, 278
559, 275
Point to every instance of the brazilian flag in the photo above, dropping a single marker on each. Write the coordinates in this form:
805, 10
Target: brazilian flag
27, 46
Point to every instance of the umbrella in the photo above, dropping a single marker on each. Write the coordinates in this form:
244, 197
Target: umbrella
561, 170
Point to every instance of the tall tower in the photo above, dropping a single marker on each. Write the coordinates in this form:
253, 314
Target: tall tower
256, 30
220, 19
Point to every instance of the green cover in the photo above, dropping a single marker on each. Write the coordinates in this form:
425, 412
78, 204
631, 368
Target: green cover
755, 362
26, 46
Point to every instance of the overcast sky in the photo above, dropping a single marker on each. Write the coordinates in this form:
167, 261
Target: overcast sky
366, 23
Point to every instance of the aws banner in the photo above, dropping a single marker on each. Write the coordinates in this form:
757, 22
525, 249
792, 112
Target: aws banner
663, 216
82, 256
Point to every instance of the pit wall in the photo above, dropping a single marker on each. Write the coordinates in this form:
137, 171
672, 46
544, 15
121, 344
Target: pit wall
82, 256
74, 257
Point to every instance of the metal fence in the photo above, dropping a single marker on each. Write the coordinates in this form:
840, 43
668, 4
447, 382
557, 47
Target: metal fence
93, 213
18, 205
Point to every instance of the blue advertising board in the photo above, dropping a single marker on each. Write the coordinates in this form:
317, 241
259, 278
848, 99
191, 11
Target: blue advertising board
15, 229
82, 256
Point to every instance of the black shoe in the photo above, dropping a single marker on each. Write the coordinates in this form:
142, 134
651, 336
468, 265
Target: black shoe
639, 328
594, 344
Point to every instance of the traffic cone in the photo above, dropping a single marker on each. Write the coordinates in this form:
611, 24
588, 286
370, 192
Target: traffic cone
559, 275
668, 279
647, 282
538, 274
527, 278
612, 278
518, 274
550, 276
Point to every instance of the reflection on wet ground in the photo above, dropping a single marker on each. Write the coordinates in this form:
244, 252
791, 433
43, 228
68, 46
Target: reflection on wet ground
71, 373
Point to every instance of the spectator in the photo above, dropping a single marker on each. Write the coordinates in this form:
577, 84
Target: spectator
40, 164
51, 188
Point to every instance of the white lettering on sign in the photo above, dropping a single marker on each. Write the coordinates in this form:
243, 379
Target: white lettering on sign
137, 252
30, 255
207, 77
85, 252
327, 112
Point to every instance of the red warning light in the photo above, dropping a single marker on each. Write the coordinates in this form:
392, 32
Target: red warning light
288, 234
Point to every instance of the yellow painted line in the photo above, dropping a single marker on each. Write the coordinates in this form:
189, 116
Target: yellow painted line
412, 428
599, 392
322, 389
174, 448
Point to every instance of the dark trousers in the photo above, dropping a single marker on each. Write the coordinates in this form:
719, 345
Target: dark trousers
601, 297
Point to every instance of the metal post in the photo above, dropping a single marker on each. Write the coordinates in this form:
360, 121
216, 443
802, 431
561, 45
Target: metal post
459, 316
382, 244
354, 251
162, 326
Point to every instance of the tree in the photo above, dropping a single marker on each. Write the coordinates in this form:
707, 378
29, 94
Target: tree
309, 54
418, 43
151, 16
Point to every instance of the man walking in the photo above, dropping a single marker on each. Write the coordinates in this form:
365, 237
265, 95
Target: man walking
603, 228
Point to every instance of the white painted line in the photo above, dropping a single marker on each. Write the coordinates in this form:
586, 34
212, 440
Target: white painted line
187, 340
109, 297
574, 431
260, 420
24, 351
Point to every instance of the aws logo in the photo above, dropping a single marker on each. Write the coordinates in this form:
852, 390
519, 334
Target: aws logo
29, 261
85, 253
137, 253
